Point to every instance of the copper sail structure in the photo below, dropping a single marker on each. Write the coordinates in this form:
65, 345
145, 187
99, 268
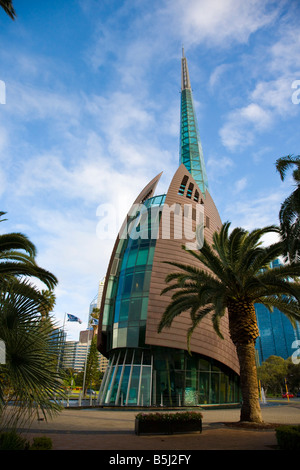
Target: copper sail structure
191, 154
147, 368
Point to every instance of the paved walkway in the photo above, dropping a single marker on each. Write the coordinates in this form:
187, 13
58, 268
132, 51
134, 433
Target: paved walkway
113, 430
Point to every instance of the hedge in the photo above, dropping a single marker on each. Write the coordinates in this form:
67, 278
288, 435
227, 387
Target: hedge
288, 437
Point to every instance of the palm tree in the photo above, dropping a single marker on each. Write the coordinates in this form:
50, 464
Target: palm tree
238, 276
8, 7
48, 302
289, 215
17, 259
95, 319
29, 376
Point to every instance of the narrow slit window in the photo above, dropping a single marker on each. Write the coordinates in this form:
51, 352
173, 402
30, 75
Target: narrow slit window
183, 184
190, 190
196, 196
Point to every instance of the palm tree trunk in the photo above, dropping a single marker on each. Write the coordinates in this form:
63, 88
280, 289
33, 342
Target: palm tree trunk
249, 384
244, 331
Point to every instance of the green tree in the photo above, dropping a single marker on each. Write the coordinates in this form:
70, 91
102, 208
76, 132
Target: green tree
92, 365
29, 376
289, 215
293, 376
272, 373
8, 7
238, 276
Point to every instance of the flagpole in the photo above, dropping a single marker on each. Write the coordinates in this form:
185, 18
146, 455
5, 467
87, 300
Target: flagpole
85, 365
63, 339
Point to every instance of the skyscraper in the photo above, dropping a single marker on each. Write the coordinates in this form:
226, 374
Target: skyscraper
146, 367
277, 336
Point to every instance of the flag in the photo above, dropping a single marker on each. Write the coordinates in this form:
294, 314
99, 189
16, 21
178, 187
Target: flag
73, 318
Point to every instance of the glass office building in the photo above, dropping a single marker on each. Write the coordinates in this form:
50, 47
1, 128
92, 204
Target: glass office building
276, 334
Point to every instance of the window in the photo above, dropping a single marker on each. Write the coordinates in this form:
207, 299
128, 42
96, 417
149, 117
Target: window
124, 309
190, 190
142, 256
127, 284
183, 184
135, 310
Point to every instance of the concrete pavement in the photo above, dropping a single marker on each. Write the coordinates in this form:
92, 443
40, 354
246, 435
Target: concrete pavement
113, 430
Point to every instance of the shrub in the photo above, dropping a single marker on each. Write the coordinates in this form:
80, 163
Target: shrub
11, 440
180, 416
41, 443
288, 437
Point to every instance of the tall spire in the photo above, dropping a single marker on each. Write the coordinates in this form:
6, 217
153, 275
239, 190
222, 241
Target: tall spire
185, 78
191, 154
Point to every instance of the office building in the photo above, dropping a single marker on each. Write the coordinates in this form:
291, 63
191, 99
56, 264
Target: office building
277, 335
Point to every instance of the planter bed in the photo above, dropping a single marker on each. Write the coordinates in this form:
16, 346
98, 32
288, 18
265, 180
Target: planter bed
168, 423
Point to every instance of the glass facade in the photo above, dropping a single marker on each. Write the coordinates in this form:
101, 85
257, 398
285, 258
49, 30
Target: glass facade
191, 154
276, 334
166, 377
126, 302
143, 375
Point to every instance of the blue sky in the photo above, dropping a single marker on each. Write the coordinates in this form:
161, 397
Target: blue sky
92, 109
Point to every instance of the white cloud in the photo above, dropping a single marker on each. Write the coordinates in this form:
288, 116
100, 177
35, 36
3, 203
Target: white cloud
275, 95
273, 69
256, 212
240, 185
3, 140
256, 115
221, 23
35, 102
218, 166
242, 124
216, 75
284, 53
2, 182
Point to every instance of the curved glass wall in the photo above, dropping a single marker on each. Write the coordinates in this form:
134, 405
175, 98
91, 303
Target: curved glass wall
138, 374
166, 377
126, 301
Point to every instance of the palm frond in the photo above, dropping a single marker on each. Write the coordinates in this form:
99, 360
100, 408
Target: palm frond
290, 210
197, 314
175, 308
8, 7
287, 305
284, 163
8, 269
236, 270
209, 257
30, 372
15, 240
262, 257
